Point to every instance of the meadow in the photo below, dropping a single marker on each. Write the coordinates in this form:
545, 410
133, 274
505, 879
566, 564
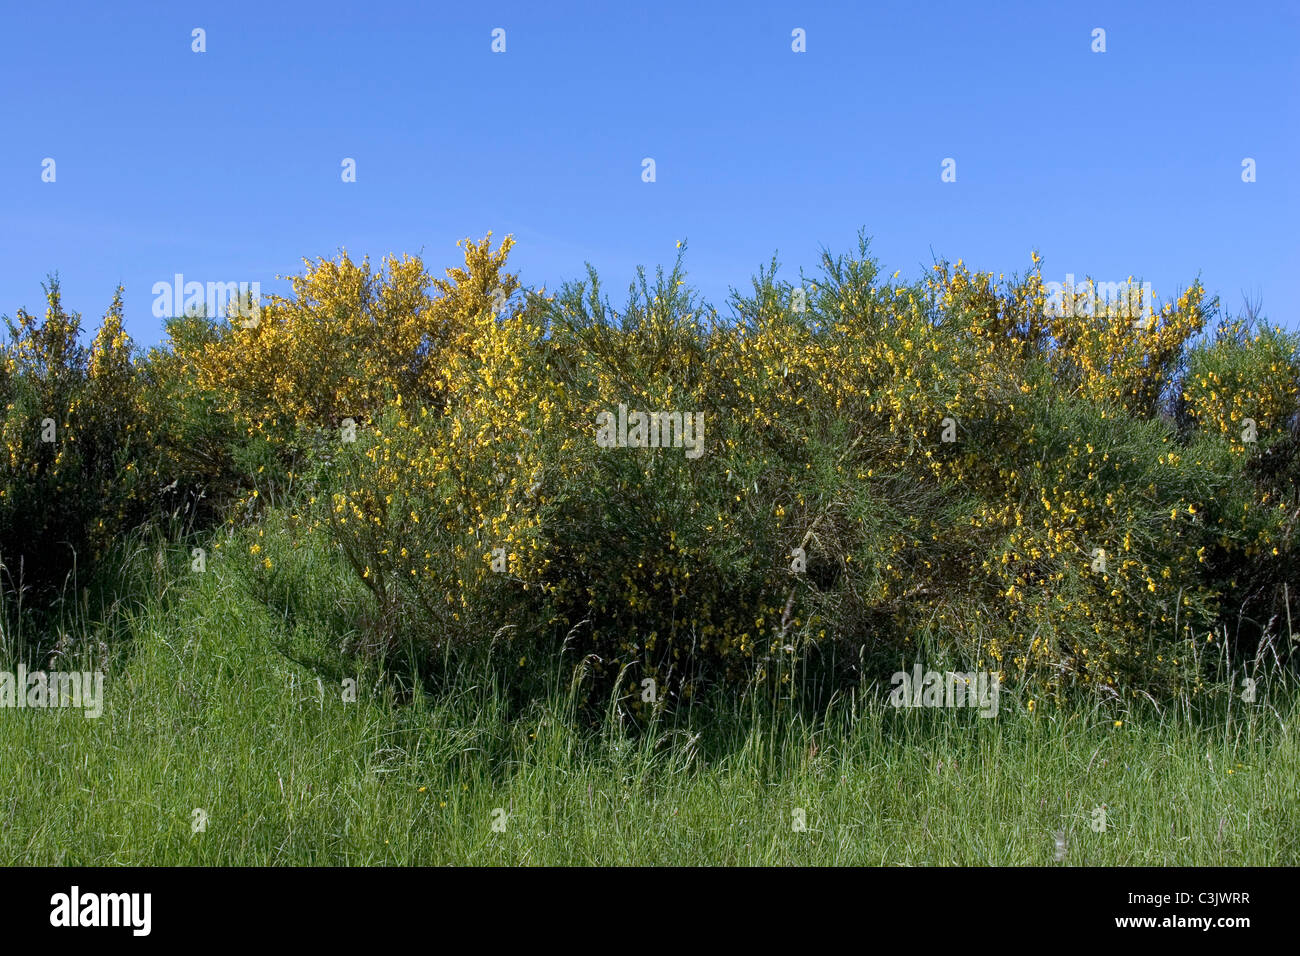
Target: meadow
376, 577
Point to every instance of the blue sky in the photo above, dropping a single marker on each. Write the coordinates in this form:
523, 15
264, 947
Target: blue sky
225, 165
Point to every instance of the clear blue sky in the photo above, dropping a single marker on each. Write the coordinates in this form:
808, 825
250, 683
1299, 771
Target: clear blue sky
225, 165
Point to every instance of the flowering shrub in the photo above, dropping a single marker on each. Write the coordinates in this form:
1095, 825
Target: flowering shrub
442, 479
1062, 531
345, 345
73, 473
1244, 386
845, 474
1242, 390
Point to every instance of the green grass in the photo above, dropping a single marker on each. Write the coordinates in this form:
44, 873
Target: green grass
205, 710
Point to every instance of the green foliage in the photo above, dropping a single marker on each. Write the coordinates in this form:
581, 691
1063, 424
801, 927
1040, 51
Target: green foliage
74, 437
886, 471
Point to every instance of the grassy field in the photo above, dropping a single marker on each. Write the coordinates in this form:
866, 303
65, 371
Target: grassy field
207, 710
499, 512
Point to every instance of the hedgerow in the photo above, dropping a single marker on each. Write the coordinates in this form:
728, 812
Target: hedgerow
1074, 494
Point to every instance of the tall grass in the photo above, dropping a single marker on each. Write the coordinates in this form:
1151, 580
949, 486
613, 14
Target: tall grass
222, 702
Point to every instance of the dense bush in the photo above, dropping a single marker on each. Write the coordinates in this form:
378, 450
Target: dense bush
1069, 534
1066, 493
76, 447
344, 346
